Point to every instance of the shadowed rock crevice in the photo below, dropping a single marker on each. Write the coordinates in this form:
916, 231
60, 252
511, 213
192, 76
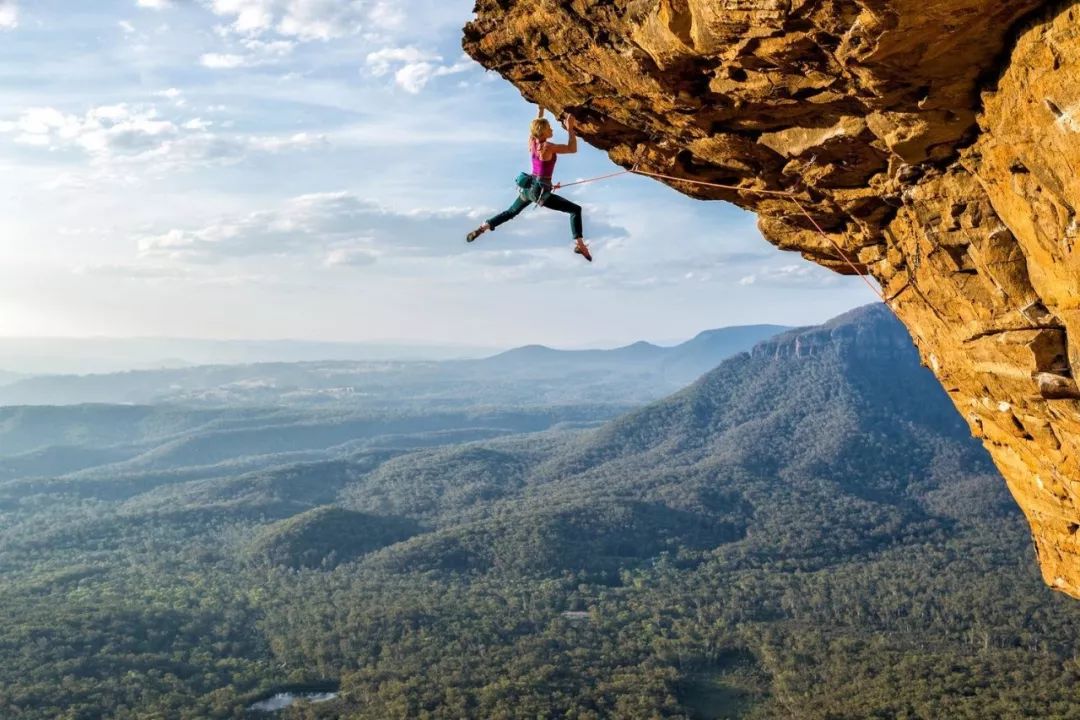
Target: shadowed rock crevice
935, 143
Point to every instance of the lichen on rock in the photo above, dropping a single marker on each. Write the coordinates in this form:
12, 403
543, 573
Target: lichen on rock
937, 144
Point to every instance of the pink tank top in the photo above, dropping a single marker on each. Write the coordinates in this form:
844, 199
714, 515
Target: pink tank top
540, 167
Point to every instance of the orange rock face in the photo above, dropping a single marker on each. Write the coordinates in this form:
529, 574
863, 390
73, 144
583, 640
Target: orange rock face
937, 144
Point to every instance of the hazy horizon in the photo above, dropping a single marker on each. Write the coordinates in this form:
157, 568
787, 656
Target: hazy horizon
100, 354
406, 342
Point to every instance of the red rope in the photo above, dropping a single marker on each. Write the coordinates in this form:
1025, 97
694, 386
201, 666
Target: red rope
559, 186
825, 235
784, 193
715, 185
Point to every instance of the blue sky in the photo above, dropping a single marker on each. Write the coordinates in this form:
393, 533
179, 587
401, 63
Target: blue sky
308, 168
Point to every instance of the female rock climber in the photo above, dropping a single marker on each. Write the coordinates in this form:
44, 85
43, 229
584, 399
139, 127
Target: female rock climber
538, 188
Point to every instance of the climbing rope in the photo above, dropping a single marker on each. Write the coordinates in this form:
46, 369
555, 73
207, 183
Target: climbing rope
782, 193
560, 186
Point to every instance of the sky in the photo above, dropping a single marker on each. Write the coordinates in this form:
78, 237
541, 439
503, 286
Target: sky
307, 169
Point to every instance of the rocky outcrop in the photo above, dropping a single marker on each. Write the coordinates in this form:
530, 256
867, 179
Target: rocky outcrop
937, 145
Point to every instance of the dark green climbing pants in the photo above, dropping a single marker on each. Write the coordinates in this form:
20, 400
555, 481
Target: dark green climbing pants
552, 202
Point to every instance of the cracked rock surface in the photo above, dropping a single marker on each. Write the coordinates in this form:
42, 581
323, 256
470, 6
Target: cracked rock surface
937, 144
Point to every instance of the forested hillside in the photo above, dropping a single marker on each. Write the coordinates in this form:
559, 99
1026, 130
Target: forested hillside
807, 531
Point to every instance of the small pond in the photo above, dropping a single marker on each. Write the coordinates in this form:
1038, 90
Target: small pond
287, 697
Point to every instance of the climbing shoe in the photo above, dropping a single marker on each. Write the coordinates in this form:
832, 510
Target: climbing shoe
582, 249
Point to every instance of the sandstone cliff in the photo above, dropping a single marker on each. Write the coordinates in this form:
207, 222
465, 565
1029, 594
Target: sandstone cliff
937, 143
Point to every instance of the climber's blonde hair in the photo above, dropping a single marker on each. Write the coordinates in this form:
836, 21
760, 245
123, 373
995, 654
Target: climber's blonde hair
537, 128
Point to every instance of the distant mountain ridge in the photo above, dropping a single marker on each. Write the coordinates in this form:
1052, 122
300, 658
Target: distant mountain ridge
859, 369
533, 374
871, 329
62, 356
679, 363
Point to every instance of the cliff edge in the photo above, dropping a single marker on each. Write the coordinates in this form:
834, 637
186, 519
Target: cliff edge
937, 144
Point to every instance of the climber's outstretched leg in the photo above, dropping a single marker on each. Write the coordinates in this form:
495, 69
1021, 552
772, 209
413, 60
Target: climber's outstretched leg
506, 215
557, 202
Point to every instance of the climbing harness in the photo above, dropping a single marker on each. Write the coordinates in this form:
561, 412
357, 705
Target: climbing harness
533, 189
780, 193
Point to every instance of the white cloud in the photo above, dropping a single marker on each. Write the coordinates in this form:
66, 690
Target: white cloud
127, 27
416, 68
327, 225
258, 52
174, 94
414, 77
103, 130
153, 4
9, 14
350, 256
341, 229
277, 144
302, 19
382, 61
222, 61
116, 134
272, 48
387, 14
805, 275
